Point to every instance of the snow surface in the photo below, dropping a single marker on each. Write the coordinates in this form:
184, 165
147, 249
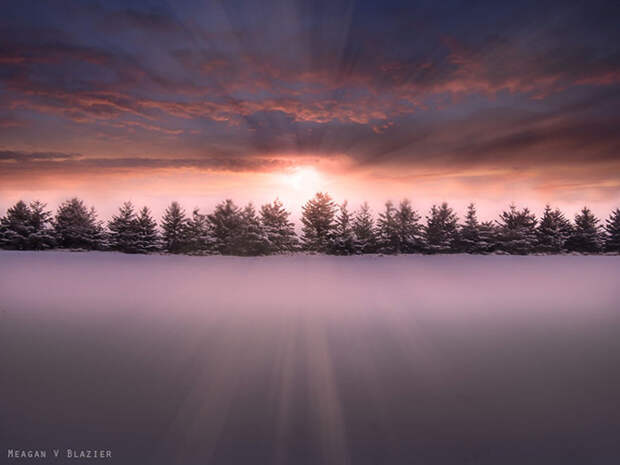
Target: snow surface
312, 359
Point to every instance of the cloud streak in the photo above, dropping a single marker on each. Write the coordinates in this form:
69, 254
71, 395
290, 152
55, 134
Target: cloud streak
22, 163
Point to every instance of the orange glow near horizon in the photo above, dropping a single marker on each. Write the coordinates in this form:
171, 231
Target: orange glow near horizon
492, 191
203, 108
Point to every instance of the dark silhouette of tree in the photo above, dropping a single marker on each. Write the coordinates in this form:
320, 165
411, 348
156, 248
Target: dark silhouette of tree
469, 237
586, 236
365, 240
553, 231
77, 226
399, 230
15, 227
42, 234
343, 242
318, 223
612, 232
26, 227
252, 239
279, 229
477, 237
226, 221
517, 231
441, 230
200, 239
409, 228
174, 229
488, 237
148, 239
124, 230
326, 228
388, 237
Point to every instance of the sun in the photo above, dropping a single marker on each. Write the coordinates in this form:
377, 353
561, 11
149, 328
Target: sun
303, 178
298, 184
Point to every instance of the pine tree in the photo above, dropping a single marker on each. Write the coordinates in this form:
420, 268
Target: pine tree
15, 227
552, 231
586, 236
76, 226
327, 228
124, 234
174, 227
343, 237
226, 222
365, 240
612, 232
441, 231
199, 237
489, 237
399, 230
252, 239
388, 237
318, 223
517, 231
409, 228
148, 239
280, 231
42, 234
469, 237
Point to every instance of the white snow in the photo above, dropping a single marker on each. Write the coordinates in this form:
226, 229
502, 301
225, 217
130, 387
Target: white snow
312, 359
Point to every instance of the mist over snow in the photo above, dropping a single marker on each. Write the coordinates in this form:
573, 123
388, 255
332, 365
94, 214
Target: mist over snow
299, 359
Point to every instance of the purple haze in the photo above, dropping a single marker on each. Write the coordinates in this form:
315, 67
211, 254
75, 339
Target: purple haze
312, 359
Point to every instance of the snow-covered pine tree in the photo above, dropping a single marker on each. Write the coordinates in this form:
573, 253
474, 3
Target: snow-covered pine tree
280, 231
553, 230
318, 223
409, 228
123, 228
612, 232
226, 221
343, 237
489, 237
252, 239
517, 231
199, 238
15, 227
365, 240
42, 235
586, 236
76, 226
441, 230
469, 234
174, 229
388, 237
148, 238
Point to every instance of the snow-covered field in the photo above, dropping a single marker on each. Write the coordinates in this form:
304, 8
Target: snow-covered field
312, 359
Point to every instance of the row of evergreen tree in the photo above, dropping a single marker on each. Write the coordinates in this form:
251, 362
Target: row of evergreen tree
326, 228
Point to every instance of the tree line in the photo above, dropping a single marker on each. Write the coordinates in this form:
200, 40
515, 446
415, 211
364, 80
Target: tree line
326, 228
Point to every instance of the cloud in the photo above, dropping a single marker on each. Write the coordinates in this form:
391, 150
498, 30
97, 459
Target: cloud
18, 163
15, 53
10, 122
407, 87
26, 157
234, 71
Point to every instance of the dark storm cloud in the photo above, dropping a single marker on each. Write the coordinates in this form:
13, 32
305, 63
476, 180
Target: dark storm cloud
456, 83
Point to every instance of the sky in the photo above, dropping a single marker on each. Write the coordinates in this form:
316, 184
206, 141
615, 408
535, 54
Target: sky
197, 101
